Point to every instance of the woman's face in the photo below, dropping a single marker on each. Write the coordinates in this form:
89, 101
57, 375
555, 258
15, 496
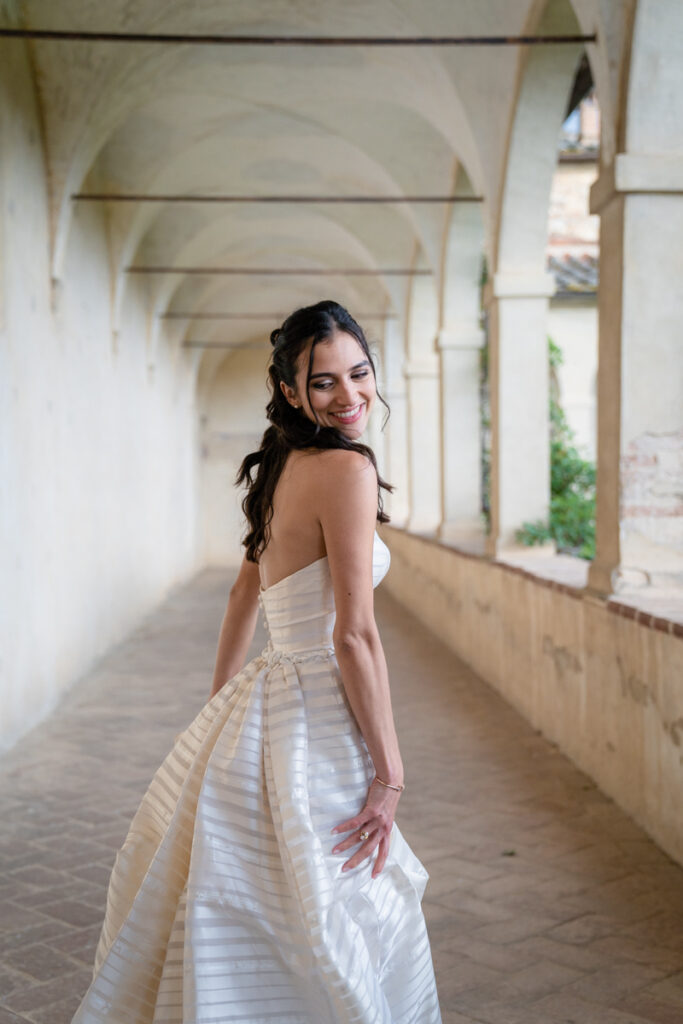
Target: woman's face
342, 387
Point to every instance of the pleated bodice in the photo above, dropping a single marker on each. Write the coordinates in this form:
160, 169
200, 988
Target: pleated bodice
299, 610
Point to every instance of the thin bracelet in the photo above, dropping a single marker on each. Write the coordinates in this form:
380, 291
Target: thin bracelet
399, 789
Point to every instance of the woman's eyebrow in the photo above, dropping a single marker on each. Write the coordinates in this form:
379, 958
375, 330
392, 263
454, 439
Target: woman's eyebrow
356, 367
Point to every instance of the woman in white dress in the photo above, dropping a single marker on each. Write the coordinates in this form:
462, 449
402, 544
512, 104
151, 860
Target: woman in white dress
263, 879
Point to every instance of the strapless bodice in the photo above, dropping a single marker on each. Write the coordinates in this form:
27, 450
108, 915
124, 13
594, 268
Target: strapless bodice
299, 610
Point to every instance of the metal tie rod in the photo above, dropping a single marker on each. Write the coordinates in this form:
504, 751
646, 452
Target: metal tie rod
172, 38
220, 344
284, 271
132, 197
277, 317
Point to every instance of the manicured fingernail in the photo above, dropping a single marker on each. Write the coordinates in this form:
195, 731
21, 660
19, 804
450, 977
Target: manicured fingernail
345, 867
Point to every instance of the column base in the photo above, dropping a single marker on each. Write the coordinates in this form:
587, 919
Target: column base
599, 582
423, 527
643, 565
398, 519
469, 537
502, 550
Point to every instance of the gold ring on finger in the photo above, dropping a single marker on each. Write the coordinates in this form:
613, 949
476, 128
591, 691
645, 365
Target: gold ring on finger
364, 835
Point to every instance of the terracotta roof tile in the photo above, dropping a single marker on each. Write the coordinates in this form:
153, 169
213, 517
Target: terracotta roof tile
575, 275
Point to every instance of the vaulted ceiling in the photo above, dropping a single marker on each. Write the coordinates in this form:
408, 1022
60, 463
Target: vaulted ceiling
144, 118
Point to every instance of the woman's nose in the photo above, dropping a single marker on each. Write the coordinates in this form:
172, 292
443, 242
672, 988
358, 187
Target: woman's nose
346, 392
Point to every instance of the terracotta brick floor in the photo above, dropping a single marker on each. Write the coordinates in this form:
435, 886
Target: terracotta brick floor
546, 904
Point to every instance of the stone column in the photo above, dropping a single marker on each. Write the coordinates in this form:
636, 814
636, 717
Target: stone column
459, 353
518, 380
639, 514
396, 452
373, 435
396, 430
424, 442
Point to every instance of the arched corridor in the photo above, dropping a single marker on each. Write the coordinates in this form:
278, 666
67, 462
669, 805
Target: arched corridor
545, 904
175, 179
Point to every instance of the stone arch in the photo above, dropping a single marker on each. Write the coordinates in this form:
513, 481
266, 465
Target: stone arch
517, 296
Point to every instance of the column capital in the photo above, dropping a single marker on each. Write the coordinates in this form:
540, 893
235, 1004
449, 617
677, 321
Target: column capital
424, 366
394, 388
465, 335
637, 173
523, 284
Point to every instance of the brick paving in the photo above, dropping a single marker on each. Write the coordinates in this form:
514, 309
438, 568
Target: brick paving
546, 904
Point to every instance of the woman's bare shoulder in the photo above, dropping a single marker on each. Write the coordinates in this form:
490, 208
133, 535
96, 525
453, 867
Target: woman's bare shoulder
333, 476
315, 473
346, 479
335, 463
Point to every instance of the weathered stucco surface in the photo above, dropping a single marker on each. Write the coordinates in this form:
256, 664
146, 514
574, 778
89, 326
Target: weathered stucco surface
605, 688
97, 460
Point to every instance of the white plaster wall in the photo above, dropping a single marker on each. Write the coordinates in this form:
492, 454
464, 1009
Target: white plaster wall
233, 421
97, 460
573, 326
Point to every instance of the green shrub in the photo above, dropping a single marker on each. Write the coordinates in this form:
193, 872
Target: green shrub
572, 484
572, 478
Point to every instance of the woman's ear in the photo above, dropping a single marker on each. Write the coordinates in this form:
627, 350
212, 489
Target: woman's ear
290, 394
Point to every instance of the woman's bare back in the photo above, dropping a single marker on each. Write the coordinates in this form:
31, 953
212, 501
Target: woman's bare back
296, 536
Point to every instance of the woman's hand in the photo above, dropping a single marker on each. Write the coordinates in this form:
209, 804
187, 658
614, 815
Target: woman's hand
377, 819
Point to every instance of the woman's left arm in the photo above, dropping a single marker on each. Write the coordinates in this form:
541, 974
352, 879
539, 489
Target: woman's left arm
239, 624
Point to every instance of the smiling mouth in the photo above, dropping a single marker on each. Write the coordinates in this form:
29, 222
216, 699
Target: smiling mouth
350, 415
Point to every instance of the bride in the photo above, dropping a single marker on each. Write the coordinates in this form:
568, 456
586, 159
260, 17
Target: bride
263, 878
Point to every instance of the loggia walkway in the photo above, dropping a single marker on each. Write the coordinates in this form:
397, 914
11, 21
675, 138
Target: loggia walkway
546, 904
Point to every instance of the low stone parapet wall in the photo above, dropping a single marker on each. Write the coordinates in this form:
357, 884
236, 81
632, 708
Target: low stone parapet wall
602, 681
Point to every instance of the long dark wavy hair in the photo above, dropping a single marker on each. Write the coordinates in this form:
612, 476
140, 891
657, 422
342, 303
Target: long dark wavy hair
290, 428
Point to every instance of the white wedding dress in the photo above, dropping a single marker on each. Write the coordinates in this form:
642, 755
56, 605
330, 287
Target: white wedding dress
225, 902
